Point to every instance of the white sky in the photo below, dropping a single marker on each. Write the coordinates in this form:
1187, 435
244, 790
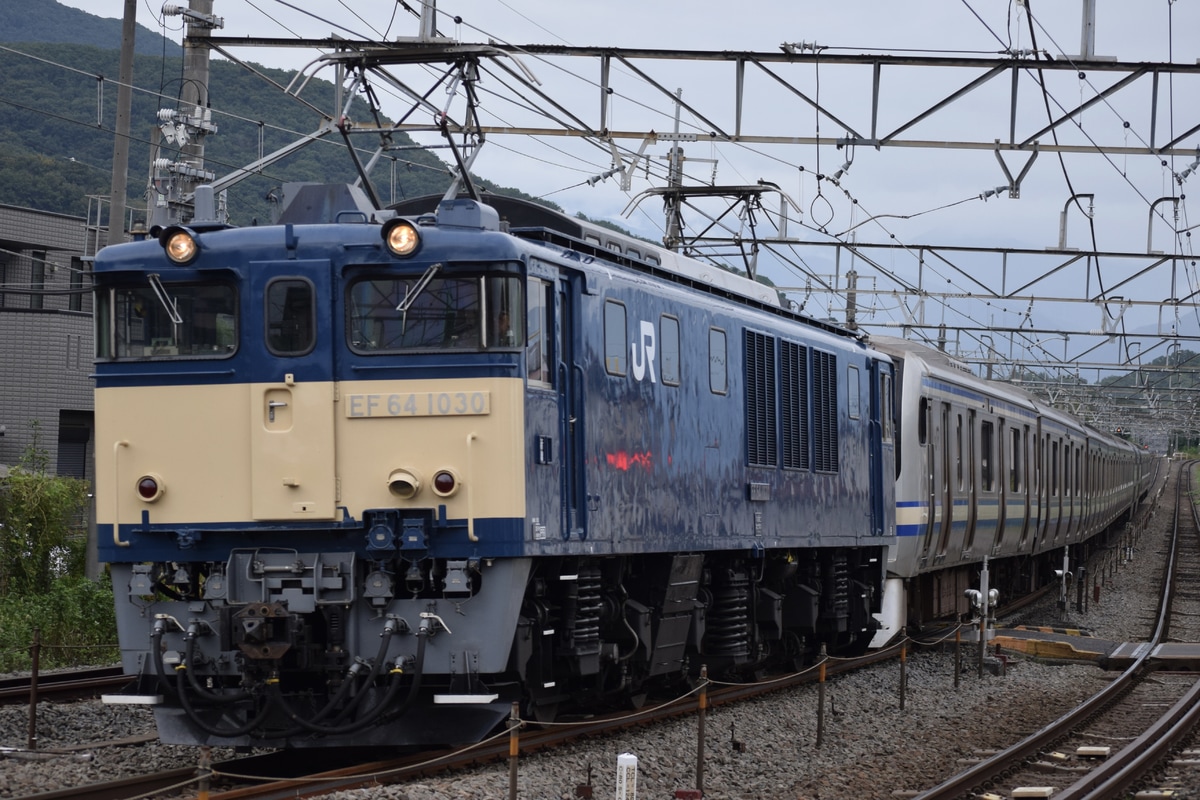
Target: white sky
1132, 30
890, 184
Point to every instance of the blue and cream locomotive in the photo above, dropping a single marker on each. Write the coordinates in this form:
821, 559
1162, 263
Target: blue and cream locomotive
372, 478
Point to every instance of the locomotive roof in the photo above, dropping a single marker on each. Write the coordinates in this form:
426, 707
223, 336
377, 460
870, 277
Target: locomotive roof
532, 221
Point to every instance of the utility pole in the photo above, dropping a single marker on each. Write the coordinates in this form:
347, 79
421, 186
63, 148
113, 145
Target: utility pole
120, 168
173, 186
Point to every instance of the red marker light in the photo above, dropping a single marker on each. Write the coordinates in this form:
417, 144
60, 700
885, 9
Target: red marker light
444, 483
149, 488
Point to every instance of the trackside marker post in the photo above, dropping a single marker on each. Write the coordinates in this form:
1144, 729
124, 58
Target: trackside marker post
627, 776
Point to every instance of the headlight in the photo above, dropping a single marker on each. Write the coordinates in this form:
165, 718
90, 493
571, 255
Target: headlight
404, 483
401, 237
180, 245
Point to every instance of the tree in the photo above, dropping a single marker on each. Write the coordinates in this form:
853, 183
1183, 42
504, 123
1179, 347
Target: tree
40, 525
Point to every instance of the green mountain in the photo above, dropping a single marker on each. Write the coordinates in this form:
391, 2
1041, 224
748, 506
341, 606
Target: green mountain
57, 139
58, 104
48, 22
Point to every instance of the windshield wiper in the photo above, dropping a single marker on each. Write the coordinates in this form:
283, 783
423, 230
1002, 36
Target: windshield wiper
167, 303
410, 296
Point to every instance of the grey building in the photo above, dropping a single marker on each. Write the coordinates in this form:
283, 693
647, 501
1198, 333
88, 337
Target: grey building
46, 340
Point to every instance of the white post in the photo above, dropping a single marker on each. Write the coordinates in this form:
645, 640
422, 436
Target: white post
627, 776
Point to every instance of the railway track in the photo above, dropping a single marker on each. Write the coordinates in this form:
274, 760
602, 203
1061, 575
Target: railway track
1110, 743
62, 684
300, 773
312, 773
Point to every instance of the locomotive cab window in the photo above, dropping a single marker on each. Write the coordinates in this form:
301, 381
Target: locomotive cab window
290, 317
503, 313
166, 321
409, 313
539, 334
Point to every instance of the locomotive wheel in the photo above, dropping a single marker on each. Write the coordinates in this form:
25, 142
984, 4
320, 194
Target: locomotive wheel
544, 712
793, 648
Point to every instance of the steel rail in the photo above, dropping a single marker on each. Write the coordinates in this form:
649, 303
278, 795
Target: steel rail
993, 767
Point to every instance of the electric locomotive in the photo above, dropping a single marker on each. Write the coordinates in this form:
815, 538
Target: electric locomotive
370, 478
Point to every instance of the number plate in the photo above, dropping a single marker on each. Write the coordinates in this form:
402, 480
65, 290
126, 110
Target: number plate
418, 404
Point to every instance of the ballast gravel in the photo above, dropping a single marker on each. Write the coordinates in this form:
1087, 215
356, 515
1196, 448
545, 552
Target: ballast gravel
870, 747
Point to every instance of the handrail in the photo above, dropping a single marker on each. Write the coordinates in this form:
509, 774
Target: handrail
117, 494
470, 489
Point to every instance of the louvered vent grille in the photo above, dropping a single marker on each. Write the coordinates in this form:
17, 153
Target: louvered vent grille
793, 396
761, 423
825, 426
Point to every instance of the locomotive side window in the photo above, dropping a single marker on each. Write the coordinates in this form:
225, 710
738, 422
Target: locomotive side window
852, 389
668, 336
538, 333
718, 378
615, 337
167, 321
290, 317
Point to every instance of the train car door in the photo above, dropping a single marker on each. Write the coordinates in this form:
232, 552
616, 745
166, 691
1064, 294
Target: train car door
973, 474
951, 448
882, 448
1001, 482
1024, 478
571, 407
929, 436
292, 407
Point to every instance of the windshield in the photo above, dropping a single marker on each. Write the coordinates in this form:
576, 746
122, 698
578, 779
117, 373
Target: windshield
186, 321
460, 313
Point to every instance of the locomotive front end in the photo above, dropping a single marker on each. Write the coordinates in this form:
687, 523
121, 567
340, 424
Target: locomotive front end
310, 487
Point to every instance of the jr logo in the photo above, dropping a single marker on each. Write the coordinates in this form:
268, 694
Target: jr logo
641, 352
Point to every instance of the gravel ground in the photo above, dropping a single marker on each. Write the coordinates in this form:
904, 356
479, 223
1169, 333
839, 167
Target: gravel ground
763, 749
